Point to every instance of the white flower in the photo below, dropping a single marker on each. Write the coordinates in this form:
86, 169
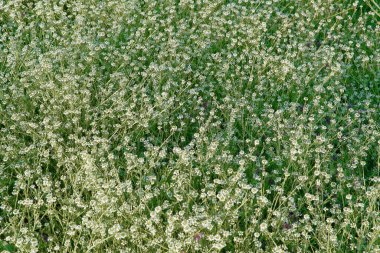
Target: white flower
263, 227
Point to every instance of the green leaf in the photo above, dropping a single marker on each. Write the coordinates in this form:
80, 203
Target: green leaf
7, 247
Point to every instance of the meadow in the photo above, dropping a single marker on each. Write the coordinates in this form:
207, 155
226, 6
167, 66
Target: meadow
190, 126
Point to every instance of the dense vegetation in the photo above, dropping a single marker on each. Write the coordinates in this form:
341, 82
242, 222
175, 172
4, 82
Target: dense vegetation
189, 126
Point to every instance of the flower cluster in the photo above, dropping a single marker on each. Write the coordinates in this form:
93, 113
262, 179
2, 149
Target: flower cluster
189, 126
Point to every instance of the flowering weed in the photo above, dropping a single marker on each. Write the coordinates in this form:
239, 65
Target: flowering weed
189, 126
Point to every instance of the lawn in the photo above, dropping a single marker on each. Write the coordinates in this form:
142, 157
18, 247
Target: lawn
189, 126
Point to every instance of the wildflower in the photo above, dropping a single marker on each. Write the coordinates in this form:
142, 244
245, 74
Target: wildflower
198, 237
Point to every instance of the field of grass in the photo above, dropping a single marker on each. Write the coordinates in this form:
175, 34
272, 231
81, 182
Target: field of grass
189, 126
